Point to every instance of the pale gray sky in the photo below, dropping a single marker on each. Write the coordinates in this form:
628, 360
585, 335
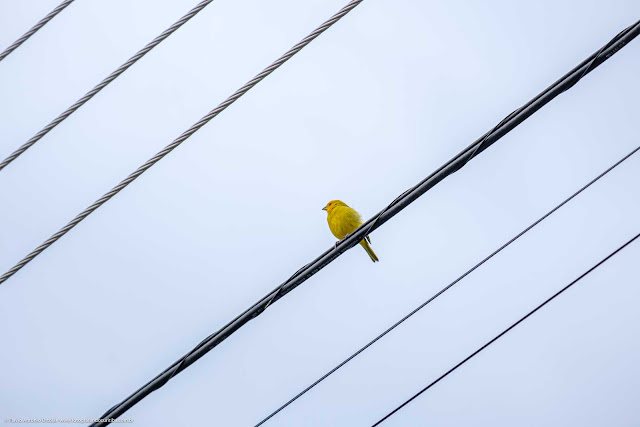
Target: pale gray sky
379, 101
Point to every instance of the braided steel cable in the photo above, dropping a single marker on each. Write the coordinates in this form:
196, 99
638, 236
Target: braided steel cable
34, 29
80, 102
446, 288
500, 335
186, 134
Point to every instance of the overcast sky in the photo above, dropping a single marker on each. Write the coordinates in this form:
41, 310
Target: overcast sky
379, 101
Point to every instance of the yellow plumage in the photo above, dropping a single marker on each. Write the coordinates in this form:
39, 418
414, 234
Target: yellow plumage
344, 220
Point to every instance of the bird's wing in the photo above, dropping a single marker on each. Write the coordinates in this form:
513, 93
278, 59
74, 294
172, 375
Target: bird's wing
359, 219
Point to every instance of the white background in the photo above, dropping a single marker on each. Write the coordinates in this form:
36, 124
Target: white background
376, 103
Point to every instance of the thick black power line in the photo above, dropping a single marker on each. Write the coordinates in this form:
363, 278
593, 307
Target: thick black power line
304, 273
497, 337
35, 28
446, 288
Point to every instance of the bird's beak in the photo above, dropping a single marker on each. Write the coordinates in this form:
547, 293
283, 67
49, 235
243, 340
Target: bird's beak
324, 209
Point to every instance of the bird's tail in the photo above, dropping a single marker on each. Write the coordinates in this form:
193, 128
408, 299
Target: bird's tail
367, 248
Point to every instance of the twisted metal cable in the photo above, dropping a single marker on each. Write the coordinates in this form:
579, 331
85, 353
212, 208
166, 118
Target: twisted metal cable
446, 288
35, 28
79, 103
193, 129
513, 325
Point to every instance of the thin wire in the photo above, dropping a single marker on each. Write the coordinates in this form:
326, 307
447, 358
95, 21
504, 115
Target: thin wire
507, 330
185, 135
34, 29
446, 288
79, 103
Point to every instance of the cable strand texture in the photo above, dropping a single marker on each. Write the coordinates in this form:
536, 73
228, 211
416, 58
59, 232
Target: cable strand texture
34, 29
79, 103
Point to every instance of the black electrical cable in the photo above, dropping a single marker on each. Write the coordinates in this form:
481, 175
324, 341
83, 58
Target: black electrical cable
497, 337
482, 144
446, 288
409, 196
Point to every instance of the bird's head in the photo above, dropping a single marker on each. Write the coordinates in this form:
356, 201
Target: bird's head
332, 204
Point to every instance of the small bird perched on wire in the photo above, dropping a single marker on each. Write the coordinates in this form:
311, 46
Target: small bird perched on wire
344, 220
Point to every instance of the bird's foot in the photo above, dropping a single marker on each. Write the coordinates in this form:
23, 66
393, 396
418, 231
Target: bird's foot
335, 246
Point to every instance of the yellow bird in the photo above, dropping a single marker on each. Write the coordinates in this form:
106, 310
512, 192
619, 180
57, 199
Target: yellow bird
344, 220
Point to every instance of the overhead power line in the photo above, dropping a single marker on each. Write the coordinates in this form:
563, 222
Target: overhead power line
185, 135
506, 125
34, 29
446, 288
79, 103
497, 337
